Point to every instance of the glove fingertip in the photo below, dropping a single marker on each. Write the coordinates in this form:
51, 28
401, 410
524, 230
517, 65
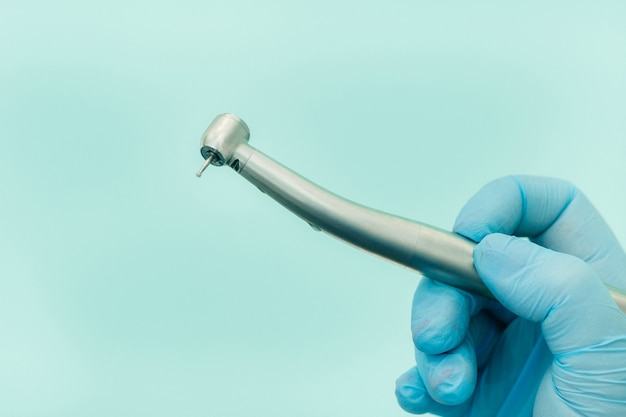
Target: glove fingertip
449, 378
472, 230
485, 213
496, 253
440, 317
411, 393
453, 381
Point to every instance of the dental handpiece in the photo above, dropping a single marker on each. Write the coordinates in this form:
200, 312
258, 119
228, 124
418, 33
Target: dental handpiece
438, 254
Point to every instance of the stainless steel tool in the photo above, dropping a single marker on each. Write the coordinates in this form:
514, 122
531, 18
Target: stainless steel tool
436, 253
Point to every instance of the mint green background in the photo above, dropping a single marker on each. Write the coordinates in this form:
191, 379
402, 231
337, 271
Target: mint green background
128, 287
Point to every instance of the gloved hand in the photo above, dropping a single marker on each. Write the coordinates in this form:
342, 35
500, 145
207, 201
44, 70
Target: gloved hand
555, 343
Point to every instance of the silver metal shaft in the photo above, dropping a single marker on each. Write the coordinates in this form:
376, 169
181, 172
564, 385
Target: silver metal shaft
438, 254
441, 255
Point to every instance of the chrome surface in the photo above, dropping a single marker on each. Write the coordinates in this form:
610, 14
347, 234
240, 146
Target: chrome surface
436, 253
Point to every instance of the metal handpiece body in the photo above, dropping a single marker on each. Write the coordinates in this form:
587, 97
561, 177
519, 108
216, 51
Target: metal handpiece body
436, 253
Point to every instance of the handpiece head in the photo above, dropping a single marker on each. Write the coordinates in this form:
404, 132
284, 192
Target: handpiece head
221, 139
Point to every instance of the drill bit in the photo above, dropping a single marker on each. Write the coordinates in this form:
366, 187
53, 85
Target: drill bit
205, 165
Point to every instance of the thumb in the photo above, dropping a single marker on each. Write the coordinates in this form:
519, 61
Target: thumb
559, 291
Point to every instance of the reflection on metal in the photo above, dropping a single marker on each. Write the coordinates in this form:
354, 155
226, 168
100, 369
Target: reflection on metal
436, 253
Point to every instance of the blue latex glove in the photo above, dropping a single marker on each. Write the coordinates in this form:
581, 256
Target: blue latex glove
555, 343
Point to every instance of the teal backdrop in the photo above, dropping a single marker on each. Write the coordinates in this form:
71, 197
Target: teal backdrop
131, 288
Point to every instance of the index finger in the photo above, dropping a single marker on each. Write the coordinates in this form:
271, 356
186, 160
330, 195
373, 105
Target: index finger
552, 213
